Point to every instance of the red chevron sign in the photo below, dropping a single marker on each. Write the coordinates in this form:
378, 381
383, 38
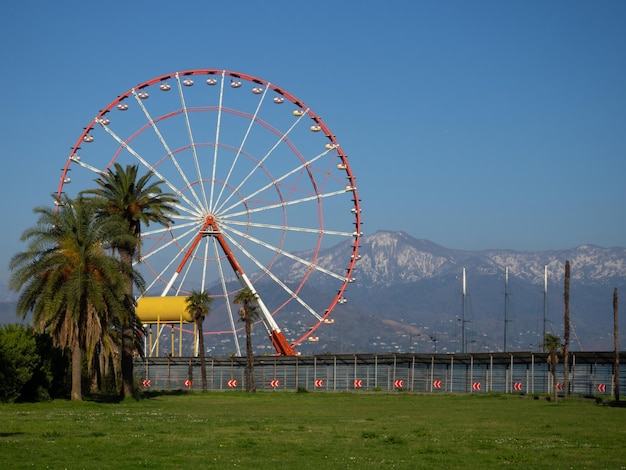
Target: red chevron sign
146, 382
319, 383
187, 383
398, 383
232, 383
559, 386
274, 383
602, 388
476, 386
517, 386
358, 383
436, 383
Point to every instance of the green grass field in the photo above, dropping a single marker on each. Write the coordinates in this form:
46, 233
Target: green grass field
314, 430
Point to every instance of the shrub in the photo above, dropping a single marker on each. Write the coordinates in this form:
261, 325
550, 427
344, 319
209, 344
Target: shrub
18, 360
31, 369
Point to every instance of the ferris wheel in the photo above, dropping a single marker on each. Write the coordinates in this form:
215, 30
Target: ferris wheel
267, 197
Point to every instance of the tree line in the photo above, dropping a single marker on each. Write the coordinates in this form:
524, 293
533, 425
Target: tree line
77, 278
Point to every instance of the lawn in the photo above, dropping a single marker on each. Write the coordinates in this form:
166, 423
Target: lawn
314, 430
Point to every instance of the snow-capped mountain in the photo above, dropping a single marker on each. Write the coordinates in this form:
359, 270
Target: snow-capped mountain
418, 284
389, 258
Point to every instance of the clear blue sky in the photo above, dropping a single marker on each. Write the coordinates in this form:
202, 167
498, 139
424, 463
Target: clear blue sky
482, 124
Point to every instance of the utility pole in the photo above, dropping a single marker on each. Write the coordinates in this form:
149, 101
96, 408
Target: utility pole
506, 304
463, 345
545, 304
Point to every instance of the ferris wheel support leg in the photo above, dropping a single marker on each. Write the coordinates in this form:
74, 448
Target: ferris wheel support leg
276, 336
281, 345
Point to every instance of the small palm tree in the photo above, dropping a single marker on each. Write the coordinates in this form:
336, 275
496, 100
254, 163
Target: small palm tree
70, 281
198, 306
137, 200
552, 344
248, 313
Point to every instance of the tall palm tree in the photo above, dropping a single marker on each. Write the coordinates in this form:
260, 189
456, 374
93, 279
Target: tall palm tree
248, 313
552, 344
137, 200
70, 281
198, 306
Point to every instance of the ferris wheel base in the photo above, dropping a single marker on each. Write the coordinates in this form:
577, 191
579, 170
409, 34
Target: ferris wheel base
281, 345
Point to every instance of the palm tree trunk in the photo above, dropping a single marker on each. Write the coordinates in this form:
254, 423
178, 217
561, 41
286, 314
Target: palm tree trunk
202, 358
553, 362
128, 334
566, 327
250, 384
76, 393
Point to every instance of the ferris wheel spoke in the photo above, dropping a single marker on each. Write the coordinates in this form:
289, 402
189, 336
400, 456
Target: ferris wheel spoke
259, 164
161, 275
280, 251
204, 266
231, 316
278, 180
288, 228
217, 141
172, 228
169, 152
149, 166
251, 122
191, 140
76, 159
284, 204
170, 242
260, 265
187, 269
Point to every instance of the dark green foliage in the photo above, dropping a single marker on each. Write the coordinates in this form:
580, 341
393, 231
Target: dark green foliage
31, 369
71, 283
50, 379
18, 360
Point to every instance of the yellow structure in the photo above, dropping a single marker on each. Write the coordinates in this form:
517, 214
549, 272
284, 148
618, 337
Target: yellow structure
160, 312
163, 310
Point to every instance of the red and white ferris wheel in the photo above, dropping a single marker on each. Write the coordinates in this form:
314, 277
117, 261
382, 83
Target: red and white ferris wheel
263, 187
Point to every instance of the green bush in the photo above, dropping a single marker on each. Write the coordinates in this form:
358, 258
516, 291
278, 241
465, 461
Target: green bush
18, 360
31, 369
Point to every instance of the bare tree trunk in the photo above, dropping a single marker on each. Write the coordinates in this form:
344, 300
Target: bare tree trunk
616, 343
566, 326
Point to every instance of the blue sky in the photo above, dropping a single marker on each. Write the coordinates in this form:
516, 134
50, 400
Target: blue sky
484, 124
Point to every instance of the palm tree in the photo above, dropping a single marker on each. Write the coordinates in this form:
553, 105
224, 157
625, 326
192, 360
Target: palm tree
248, 313
552, 344
137, 201
198, 306
70, 281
